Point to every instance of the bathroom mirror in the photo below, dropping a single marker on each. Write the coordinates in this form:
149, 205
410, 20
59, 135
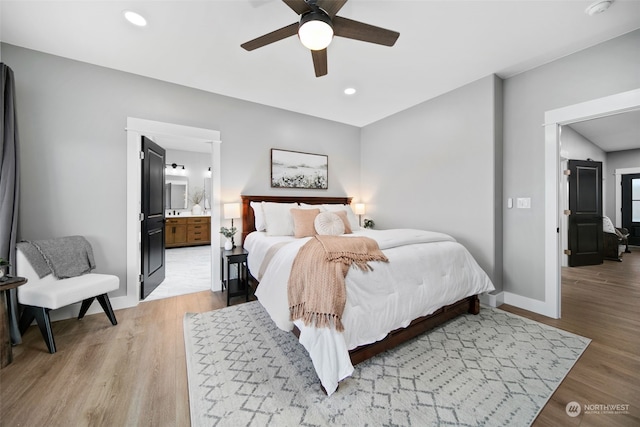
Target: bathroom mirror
176, 192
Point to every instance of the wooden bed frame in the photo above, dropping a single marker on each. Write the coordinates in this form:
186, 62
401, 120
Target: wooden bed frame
418, 326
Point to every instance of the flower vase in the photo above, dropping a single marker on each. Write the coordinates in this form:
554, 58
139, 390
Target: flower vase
196, 209
228, 245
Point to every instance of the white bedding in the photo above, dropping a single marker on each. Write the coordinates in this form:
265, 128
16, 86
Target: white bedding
426, 270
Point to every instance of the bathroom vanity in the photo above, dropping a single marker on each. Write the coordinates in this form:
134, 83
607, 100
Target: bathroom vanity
187, 231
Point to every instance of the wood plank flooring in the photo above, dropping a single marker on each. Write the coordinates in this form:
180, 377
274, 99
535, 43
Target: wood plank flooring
134, 374
602, 303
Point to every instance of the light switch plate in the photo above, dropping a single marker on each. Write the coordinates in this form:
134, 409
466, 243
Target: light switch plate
524, 202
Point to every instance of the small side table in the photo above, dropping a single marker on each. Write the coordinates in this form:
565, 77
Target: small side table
6, 283
240, 285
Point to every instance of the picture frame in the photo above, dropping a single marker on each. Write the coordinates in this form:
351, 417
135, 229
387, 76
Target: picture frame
295, 169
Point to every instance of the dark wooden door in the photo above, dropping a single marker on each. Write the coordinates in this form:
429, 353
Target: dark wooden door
153, 230
631, 206
585, 220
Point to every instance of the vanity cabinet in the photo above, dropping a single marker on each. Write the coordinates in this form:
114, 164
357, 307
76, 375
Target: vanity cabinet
187, 231
198, 230
175, 232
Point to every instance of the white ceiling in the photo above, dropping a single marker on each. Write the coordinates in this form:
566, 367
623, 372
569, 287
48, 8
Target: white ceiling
443, 45
612, 133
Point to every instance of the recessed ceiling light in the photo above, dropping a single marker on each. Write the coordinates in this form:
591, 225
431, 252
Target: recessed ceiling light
349, 91
135, 18
598, 7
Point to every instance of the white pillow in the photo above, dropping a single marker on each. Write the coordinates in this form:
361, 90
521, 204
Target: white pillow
607, 225
353, 220
278, 218
258, 215
328, 223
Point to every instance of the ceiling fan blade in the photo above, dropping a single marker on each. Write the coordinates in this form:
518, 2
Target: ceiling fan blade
273, 36
319, 62
356, 30
298, 6
331, 6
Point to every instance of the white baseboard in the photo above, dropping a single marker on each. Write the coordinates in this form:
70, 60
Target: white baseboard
528, 304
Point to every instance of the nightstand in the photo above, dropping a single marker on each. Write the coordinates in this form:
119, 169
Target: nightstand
240, 284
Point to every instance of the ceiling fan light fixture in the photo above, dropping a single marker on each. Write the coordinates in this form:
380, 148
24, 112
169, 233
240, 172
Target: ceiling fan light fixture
315, 30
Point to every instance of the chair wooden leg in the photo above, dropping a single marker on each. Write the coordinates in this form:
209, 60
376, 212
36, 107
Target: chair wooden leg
41, 315
25, 319
106, 306
44, 323
85, 306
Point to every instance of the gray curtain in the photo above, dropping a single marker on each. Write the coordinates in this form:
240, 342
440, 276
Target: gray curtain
9, 187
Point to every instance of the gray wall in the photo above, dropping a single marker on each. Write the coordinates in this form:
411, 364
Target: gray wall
618, 160
434, 167
577, 147
608, 68
72, 119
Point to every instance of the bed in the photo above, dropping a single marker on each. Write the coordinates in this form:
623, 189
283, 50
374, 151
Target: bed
369, 329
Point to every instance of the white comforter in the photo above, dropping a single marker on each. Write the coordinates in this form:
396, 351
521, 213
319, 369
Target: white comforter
426, 270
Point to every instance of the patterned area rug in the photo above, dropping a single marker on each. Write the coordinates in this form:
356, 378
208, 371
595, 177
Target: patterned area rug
492, 369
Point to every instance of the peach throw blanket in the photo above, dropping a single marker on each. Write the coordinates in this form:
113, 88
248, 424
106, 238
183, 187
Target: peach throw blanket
316, 290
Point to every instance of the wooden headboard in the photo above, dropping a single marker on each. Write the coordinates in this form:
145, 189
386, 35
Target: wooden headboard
249, 221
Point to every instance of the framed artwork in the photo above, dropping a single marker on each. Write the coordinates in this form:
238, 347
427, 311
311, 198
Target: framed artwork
292, 169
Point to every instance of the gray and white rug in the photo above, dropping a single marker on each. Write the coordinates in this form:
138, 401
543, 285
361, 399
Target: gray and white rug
493, 369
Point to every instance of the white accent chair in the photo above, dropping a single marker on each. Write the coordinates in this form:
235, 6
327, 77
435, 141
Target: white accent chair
40, 295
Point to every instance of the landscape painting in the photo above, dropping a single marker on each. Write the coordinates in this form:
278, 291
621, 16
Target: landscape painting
292, 169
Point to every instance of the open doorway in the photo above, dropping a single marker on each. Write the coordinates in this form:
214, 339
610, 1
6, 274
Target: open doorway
187, 214
185, 136
554, 226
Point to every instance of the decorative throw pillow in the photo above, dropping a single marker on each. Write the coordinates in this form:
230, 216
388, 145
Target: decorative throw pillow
607, 225
353, 220
258, 216
343, 217
303, 222
328, 223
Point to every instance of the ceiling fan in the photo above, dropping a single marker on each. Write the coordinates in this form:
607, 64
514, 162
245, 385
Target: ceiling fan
317, 26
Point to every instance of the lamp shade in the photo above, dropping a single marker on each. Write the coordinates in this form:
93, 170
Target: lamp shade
359, 210
231, 210
316, 30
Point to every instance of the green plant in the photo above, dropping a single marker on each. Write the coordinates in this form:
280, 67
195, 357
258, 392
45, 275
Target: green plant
228, 232
368, 223
4, 262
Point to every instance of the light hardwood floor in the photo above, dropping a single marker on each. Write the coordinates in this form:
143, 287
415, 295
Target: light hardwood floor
134, 374
602, 303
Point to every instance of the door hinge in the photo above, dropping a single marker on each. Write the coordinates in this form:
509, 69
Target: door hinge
141, 216
567, 172
567, 251
567, 212
142, 155
140, 278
